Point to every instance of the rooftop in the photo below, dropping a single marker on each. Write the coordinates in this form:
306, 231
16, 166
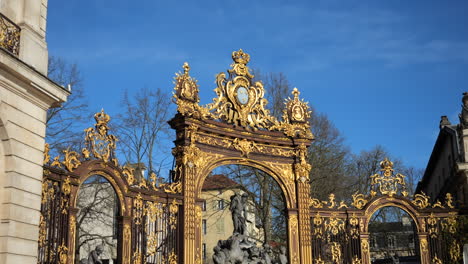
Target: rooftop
218, 181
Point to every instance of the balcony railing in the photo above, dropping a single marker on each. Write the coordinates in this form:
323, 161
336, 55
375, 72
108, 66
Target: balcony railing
9, 35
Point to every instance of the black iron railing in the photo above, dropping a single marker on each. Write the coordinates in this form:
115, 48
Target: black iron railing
9, 35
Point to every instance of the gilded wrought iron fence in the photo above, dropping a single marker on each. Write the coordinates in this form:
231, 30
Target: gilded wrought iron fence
53, 225
154, 231
9, 35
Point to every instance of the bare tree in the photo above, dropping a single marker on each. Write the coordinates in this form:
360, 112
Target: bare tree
96, 222
142, 127
65, 123
328, 156
367, 163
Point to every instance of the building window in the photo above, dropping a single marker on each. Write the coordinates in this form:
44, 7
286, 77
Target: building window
204, 226
204, 250
391, 241
220, 204
203, 206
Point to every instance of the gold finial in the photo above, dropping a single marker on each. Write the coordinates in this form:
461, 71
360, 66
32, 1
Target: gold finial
186, 68
296, 93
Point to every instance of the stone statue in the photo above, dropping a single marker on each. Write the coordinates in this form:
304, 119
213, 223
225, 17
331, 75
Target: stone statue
93, 257
239, 248
282, 257
464, 114
237, 209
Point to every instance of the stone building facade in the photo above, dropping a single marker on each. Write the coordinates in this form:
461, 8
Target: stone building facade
25, 95
447, 169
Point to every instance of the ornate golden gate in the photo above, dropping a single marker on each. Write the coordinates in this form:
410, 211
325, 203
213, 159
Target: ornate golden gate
148, 213
161, 223
340, 231
237, 129
234, 129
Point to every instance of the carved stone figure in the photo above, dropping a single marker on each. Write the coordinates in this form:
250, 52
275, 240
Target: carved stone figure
282, 257
239, 247
464, 114
93, 257
238, 214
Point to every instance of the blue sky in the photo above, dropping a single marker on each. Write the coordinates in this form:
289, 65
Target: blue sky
383, 71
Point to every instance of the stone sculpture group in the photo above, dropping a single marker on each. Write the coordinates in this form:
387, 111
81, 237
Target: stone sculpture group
239, 247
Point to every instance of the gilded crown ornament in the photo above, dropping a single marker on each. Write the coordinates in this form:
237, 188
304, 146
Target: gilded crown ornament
240, 101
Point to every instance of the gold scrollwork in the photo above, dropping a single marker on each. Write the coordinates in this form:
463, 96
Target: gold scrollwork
138, 209
71, 160
42, 231
449, 224
424, 246
63, 253
421, 200
359, 200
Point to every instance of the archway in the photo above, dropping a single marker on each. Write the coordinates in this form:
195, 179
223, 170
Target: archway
239, 199
97, 226
238, 128
393, 236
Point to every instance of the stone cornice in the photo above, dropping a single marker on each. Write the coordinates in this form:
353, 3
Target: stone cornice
30, 83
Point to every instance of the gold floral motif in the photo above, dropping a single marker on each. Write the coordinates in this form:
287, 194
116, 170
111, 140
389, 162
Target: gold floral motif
454, 251
450, 224
387, 182
318, 220
98, 141
359, 200
421, 200
244, 146
354, 223
293, 223
71, 161
334, 225
449, 201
